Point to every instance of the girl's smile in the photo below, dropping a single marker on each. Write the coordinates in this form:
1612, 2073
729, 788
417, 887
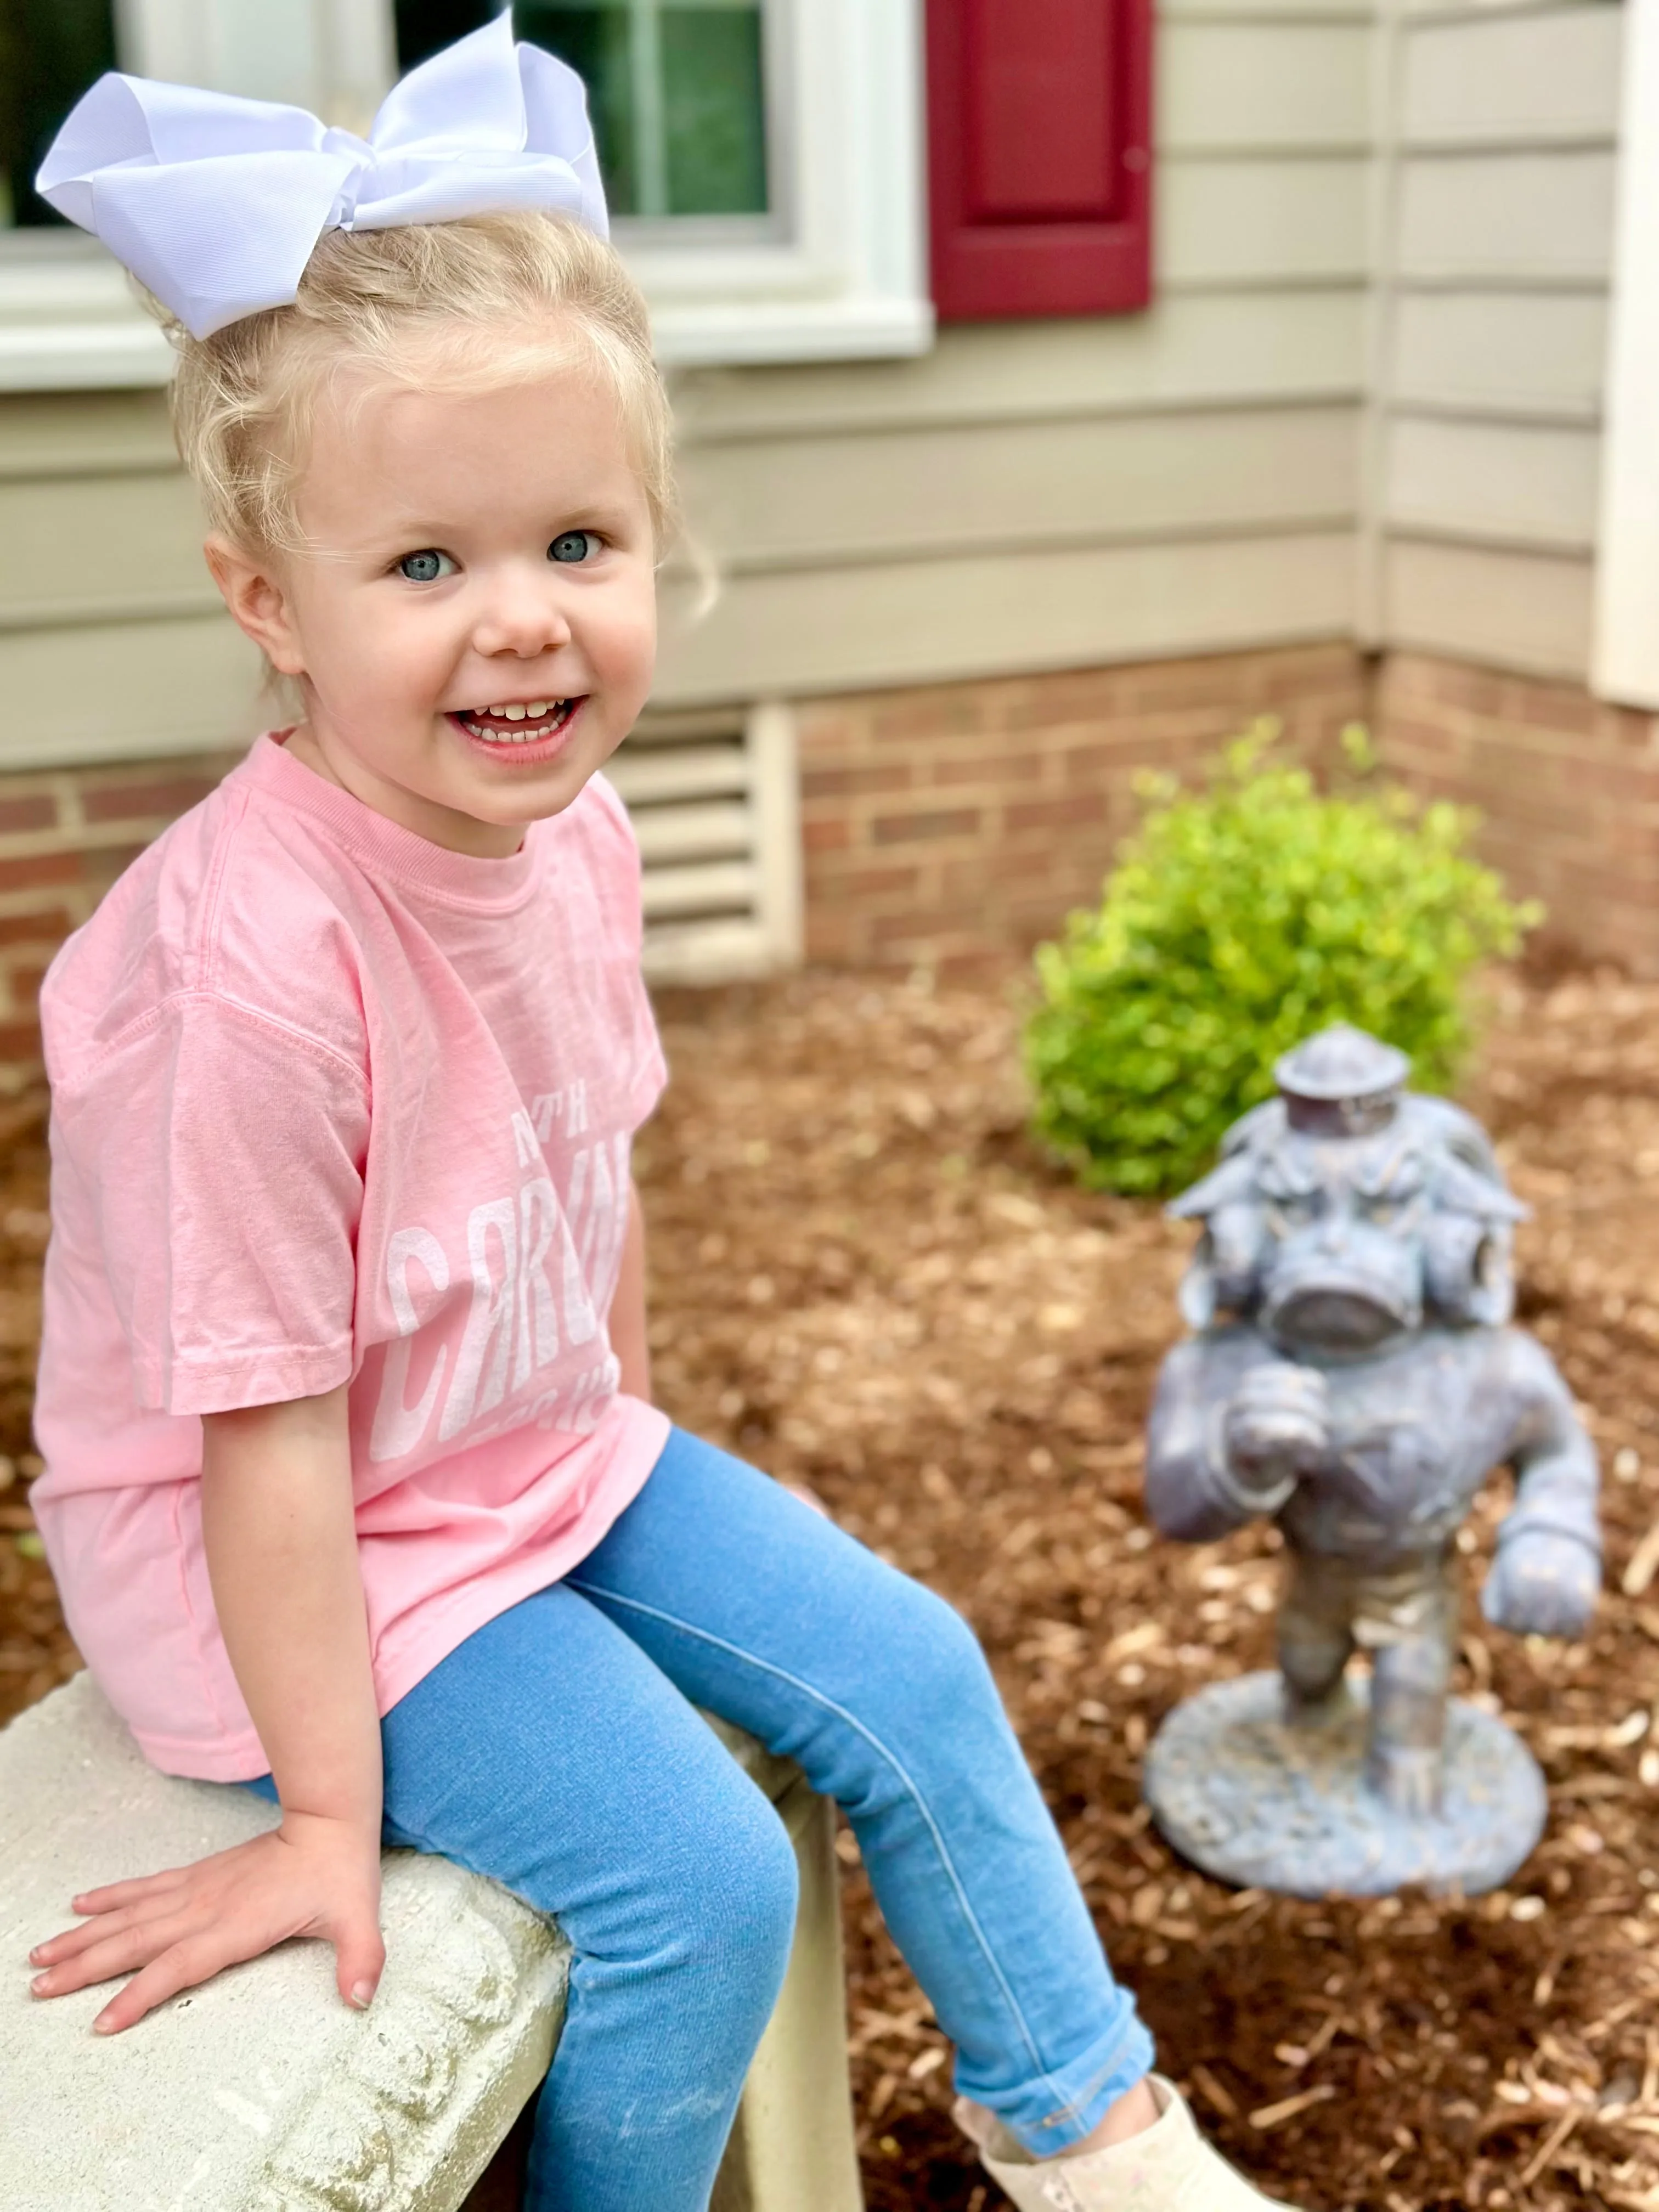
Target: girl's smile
523, 732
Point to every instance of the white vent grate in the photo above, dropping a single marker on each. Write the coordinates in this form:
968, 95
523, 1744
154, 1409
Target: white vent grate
714, 802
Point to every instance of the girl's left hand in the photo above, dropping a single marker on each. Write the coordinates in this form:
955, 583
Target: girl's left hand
314, 1876
807, 1496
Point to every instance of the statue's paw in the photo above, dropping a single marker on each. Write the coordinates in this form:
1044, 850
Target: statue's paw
1542, 1584
1406, 1778
1277, 1427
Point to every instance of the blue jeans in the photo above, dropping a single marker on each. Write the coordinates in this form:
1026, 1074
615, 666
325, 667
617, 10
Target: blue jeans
556, 1751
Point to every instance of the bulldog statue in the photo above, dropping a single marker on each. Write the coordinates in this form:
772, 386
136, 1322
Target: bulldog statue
1352, 1374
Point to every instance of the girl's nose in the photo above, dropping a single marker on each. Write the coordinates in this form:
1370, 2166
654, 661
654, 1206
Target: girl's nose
520, 620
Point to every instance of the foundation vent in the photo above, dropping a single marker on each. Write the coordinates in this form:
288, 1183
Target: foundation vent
714, 797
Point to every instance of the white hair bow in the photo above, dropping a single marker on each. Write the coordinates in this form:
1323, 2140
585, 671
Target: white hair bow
215, 203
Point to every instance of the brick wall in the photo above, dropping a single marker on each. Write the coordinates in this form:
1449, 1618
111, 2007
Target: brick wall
941, 824
1569, 788
65, 838
945, 823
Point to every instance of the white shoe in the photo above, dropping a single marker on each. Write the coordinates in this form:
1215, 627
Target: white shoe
1168, 2167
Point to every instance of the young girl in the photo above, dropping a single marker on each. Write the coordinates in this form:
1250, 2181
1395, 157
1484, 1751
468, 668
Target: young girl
355, 1490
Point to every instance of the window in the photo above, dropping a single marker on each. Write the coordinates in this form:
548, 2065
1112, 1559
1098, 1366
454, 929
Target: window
678, 90
50, 53
678, 93
762, 158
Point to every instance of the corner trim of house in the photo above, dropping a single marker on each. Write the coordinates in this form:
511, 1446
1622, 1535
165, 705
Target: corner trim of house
1624, 653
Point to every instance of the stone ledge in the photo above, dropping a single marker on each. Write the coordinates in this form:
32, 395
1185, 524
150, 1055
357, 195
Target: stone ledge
260, 2092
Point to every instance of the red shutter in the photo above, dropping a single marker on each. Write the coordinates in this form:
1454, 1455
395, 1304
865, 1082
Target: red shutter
1039, 156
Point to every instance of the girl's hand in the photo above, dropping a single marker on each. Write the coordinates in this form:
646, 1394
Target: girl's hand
313, 1876
807, 1496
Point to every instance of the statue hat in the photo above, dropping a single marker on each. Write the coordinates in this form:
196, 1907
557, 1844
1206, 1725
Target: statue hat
1341, 1063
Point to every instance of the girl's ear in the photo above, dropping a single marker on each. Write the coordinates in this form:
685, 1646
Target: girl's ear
252, 590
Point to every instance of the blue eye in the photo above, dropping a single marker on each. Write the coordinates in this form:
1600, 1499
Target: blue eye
425, 568
572, 545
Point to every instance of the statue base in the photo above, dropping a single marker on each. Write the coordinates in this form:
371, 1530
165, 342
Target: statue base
1253, 1799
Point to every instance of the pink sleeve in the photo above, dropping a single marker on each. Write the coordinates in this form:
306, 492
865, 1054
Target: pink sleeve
222, 1155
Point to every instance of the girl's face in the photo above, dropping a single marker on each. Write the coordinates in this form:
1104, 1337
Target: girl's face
474, 618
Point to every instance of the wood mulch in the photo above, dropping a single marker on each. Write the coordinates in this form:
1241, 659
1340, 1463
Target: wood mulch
865, 1278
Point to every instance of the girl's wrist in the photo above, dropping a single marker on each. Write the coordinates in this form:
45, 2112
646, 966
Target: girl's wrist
302, 1822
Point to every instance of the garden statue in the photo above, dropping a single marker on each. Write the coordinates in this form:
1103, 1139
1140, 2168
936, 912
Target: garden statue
1352, 1375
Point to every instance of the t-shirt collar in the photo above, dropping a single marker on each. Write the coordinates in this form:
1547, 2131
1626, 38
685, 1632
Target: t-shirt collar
385, 846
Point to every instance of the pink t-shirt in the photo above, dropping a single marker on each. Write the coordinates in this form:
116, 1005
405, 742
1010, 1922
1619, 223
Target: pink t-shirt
332, 1102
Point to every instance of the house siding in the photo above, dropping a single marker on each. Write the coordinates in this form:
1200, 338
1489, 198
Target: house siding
1498, 125
1054, 494
1362, 415
1029, 495
113, 643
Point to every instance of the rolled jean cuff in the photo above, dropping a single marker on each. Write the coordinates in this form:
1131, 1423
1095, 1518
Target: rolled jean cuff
1051, 2111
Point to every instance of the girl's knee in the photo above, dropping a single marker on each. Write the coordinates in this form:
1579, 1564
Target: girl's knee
938, 1657
763, 1879
926, 1714
737, 1913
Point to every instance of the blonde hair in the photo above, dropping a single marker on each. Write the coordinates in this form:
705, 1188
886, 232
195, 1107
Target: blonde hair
479, 304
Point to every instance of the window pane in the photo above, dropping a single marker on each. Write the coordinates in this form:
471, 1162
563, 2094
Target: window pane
598, 44
423, 26
677, 90
714, 110
50, 53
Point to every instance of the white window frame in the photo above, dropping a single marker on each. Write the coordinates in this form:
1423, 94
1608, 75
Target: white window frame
847, 279
1624, 653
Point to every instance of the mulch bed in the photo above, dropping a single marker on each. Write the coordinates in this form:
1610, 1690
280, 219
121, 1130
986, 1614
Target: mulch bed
867, 1279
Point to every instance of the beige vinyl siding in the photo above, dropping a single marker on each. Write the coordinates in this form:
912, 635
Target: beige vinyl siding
131, 541
1480, 601
1491, 301
1535, 355
1415, 339
1039, 495
785, 633
1267, 226
1524, 483
1027, 495
113, 644
1188, 344
914, 491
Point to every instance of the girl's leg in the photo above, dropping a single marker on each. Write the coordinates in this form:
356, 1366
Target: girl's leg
549, 1753
763, 1611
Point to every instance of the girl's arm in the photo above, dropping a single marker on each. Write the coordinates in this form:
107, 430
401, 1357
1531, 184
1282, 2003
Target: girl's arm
627, 1326
282, 1551
627, 1329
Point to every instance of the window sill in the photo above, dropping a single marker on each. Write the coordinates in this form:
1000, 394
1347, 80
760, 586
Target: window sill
75, 327
68, 323
705, 334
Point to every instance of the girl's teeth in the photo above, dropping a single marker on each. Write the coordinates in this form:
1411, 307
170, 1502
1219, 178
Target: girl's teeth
533, 715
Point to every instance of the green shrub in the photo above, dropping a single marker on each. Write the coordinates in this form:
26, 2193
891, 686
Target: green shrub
1239, 919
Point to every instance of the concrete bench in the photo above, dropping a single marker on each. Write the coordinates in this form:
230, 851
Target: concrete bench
261, 2091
